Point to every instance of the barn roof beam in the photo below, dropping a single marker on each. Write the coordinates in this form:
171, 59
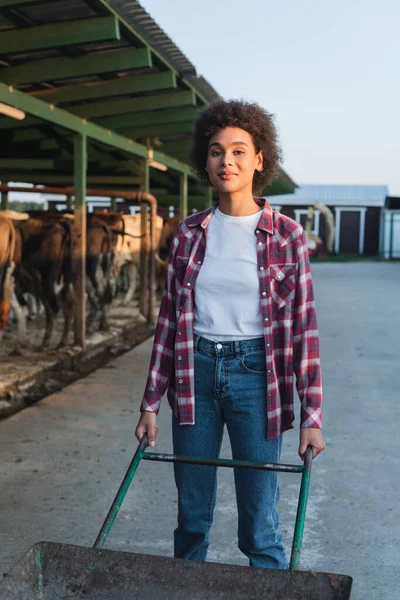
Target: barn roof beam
33, 164
44, 178
63, 34
129, 33
160, 130
142, 119
113, 158
144, 103
64, 68
26, 135
15, 3
176, 146
103, 89
58, 116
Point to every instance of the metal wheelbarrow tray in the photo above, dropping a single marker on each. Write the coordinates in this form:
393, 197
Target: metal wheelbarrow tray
53, 571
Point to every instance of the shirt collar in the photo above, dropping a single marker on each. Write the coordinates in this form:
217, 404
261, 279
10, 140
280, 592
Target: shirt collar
203, 218
266, 220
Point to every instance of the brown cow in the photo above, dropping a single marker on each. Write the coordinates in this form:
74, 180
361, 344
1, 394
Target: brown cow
103, 230
9, 287
7, 250
127, 252
169, 229
45, 264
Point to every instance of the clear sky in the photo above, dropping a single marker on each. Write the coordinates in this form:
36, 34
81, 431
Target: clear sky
328, 69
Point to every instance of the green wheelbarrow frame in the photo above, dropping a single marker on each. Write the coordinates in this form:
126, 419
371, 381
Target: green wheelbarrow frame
53, 571
141, 454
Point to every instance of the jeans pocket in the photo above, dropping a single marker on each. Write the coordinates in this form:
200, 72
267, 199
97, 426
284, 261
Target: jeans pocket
254, 363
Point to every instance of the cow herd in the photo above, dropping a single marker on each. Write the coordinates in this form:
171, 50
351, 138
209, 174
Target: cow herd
39, 264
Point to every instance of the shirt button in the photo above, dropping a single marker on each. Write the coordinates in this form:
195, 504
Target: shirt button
264, 293
179, 357
257, 231
266, 319
268, 345
279, 276
199, 262
269, 395
219, 346
260, 243
261, 268
188, 284
181, 381
179, 333
269, 371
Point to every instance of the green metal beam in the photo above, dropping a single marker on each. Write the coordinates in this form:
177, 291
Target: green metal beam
127, 30
167, 115
48, 144
63, 68
4, 201
160, 130
26, 135
176, 146
210, 198
146, 179
183, 195
145, 103
114, 87
26, 163
181, 156
80, 167
281, 185
60, 34
58, 116
46, 178
15, 3
199, 202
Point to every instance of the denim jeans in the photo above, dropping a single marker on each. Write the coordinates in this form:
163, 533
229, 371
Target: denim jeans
230, 387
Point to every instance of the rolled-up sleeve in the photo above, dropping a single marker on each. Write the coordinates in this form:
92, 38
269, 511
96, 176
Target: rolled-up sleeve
306, 346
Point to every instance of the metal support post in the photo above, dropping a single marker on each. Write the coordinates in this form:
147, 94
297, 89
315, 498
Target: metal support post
183, 195
80, 165
4, 200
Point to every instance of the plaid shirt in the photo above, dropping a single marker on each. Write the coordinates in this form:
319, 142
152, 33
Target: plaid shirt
288, 313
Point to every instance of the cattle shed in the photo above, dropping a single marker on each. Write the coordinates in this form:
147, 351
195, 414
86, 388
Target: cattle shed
357, 212
105, 71
94, 94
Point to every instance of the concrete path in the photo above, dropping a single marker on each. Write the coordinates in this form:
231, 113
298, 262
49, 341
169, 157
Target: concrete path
64, 458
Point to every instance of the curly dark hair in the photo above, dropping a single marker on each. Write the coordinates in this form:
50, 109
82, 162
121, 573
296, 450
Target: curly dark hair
245, 115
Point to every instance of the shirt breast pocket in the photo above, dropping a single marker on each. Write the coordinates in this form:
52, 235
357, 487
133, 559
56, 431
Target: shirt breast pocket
283, 284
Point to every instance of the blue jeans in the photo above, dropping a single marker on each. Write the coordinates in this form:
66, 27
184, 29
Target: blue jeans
230, 387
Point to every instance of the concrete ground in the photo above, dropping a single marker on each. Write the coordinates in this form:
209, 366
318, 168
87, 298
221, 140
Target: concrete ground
64, 458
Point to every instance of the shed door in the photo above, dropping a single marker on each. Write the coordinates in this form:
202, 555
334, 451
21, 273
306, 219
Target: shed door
349, 240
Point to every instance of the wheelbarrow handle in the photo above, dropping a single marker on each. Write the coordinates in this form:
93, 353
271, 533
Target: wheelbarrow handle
144, 442
301, 511
140, 453
308, 456
119, 498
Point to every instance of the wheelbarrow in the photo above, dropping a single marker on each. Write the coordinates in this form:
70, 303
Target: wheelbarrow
53, 571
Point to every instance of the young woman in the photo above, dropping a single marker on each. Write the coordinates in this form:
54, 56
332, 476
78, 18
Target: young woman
237, 322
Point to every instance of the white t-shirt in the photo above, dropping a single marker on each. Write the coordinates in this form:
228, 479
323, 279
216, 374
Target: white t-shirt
227, 293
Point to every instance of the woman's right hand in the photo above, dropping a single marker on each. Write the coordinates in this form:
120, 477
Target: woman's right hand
147, 424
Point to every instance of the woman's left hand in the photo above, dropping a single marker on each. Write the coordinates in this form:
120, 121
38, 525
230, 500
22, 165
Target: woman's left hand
310, 436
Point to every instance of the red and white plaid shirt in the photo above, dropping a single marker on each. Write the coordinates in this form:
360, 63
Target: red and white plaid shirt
288, 312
